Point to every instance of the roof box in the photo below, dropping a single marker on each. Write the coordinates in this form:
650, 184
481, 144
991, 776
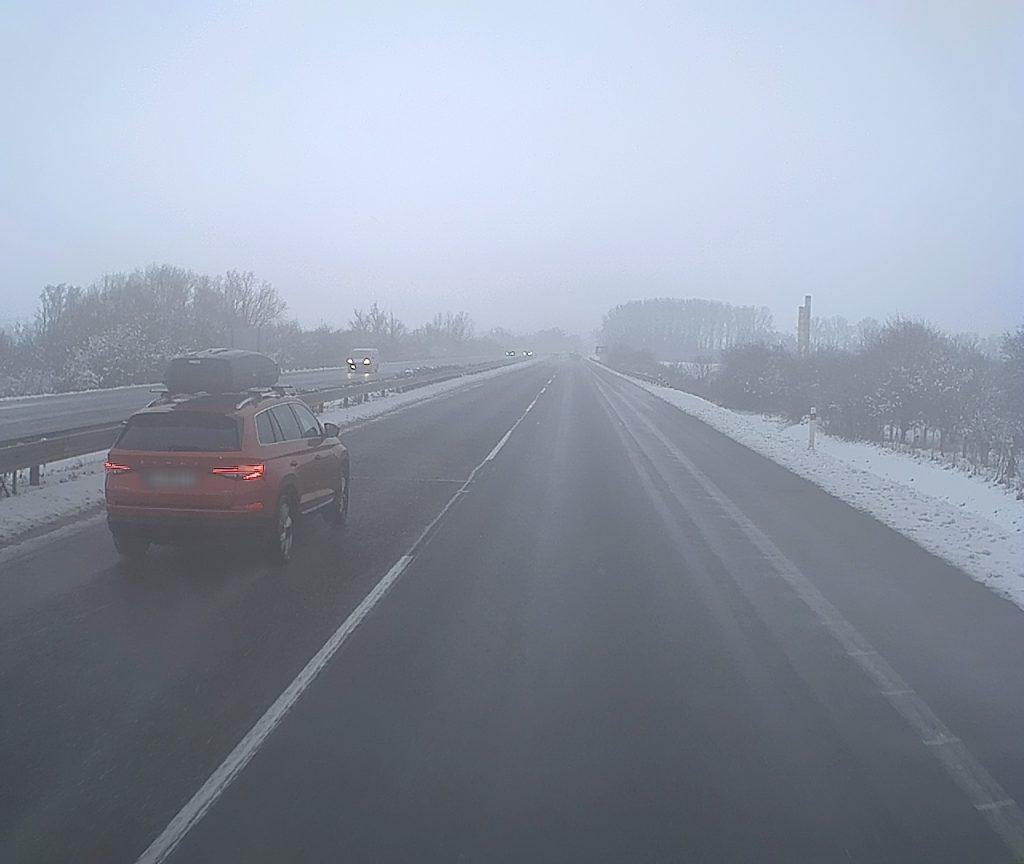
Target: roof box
220, 370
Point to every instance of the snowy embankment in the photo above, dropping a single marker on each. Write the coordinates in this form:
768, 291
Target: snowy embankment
966, 520
74, 487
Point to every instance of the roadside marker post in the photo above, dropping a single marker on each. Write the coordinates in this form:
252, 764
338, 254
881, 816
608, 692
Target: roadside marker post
812, 423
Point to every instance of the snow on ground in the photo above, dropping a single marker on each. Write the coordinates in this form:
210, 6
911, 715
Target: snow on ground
70, 487
74, 487
971, 523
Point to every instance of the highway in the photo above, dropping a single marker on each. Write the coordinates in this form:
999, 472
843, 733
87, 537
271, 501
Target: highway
31, 416
609, 633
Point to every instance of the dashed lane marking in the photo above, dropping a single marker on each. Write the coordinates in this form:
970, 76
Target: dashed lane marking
200, 803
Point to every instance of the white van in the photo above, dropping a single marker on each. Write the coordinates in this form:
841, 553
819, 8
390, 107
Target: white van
363, 363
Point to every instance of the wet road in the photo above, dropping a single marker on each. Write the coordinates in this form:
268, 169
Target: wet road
626, 638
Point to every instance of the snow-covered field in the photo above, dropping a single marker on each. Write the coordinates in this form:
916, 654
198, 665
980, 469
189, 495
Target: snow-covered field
74, 487
70, 488
966, 520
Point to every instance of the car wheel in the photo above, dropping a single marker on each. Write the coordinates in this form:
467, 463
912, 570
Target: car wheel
282, 533
337, 512
130, 546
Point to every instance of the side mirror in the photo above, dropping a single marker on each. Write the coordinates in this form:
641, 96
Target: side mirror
331, 430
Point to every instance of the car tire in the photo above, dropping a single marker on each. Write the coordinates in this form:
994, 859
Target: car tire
336, 513
281, 540
130, 546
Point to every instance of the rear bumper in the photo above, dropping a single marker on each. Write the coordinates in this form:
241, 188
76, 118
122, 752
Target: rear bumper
165, 523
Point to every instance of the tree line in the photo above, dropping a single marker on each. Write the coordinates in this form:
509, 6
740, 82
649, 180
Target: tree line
699, 331
124, 327
903, 383
690, 329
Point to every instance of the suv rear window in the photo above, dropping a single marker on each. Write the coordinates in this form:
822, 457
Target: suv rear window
184, 431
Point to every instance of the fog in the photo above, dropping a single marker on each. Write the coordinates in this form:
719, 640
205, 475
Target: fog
531, 164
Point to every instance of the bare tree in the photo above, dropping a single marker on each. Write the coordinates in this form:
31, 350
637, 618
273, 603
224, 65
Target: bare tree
454, 326
255, 302
690, 329
377, 323
55, 303
252, 302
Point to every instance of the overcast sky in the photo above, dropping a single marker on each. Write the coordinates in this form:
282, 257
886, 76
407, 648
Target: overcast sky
530, 163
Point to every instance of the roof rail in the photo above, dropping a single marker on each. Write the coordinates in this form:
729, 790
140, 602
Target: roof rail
276, 390
167, 397
253, 394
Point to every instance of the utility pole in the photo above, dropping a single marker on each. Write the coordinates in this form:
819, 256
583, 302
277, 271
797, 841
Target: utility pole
803, 327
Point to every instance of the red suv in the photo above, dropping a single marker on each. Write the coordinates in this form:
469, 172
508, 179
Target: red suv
255, 461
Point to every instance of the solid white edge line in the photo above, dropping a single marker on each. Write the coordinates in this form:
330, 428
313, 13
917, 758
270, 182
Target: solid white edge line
980, 788
243, 752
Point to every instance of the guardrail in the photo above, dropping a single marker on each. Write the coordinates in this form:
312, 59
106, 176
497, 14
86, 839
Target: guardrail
16, 456
643, 376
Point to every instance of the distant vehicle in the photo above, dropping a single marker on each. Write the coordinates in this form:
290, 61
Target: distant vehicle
250, 463
527, 353
363, 363
510, 353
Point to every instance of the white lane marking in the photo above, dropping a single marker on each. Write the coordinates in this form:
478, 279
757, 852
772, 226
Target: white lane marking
244, 751
207, 794
940, 741
983, 791
507, 435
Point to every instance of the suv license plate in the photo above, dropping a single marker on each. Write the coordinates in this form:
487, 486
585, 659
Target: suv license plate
170, 479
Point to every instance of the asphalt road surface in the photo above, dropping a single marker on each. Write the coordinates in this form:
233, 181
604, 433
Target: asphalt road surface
31, 416
626, 638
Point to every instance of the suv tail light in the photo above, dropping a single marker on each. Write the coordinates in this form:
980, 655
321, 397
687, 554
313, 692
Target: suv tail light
240, 472
115, 467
